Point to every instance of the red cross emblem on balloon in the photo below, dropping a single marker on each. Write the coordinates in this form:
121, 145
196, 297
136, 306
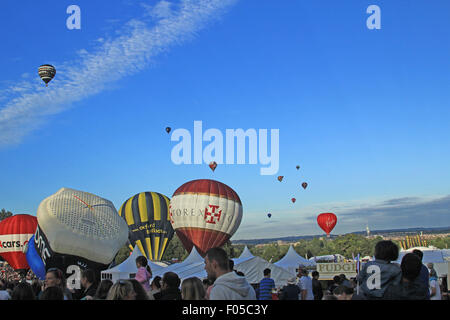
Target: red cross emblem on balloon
214, 216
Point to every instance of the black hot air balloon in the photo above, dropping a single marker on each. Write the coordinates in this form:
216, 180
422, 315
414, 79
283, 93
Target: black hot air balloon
269, 215
147, 216
168, 129
47, 73
304, 185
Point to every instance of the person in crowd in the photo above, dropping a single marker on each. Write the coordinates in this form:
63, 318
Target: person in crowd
435, 290
88, 284
344, 281
141, 294
121, 290
36, 284
336, 282
347, 293
193, 289
155, 286
55, 278
103, 289
376, 276
227, 284
317, 286
411, 287
170, 284
52, 293
144, 273
266, 285
329, 297
424, 272
208, 285
23, 291
305, 284
291, 291
4, 294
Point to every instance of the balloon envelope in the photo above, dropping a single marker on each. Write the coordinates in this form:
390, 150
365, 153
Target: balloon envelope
47, 73
304, 185
213, 165
205, 214
80, 229
15, 232
280, 178
34, 260
147, 216
327, 221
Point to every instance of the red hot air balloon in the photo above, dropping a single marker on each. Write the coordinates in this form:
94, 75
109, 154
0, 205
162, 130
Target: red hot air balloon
327, 221
293, 200
213, 165
280, 178
15, 232
304, 185
205, 214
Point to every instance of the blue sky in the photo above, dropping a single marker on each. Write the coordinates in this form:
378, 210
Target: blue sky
365, 113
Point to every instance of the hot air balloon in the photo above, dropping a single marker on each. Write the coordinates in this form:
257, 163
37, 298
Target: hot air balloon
269, 215
304, 185
298, 167
34, 260
213, 165
327, 221
78, 230
168, 129
293, 200
15, 232
205, 214
47, 73
147, 216
280, 178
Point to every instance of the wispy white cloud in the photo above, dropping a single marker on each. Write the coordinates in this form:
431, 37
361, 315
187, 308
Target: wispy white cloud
27, 104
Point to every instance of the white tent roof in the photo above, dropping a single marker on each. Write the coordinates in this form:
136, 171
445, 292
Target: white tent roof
292, 260
192, 266
253, 269
245, 255
127, 269
329, 257
434, 256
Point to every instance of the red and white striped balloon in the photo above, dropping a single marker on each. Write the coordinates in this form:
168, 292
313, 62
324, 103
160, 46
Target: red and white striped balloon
205, 214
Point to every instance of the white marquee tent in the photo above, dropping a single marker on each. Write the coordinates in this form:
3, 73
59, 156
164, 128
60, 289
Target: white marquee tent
292, 260
253, 268
192, 266
127, 269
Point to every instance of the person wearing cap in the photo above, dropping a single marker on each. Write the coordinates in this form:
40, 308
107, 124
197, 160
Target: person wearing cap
291, 291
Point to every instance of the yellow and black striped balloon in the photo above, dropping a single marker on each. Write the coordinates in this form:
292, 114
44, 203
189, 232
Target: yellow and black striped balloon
148, 218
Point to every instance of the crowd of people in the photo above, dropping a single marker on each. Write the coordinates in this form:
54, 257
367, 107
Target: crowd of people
378, 279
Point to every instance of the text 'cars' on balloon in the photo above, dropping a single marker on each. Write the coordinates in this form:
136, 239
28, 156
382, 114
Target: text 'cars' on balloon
205, 214
147, 216
15, 233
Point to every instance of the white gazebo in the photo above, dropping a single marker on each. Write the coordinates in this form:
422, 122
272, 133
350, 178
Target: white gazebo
292, 260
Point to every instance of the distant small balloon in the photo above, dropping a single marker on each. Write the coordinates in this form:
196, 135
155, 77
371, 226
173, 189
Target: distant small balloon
168, 129
293, 200
304, 185
47, 73
298, 167
213, 165
269, 215
280, 178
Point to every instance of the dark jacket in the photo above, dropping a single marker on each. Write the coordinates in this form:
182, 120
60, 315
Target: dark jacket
290, 292
168, 294
415, 290
317, 289
424, 277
